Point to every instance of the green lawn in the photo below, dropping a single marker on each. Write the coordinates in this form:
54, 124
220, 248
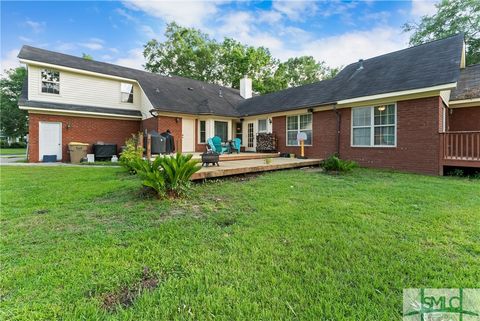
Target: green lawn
13, 151
290, 245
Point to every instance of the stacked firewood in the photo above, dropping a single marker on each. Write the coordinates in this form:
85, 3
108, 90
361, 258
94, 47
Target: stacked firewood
266, 142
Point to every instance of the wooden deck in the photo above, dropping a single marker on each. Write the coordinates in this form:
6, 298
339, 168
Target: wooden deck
236, 167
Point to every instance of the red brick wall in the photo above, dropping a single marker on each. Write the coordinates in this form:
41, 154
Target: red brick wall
323, 140
162, 123
464, 119
417, 150
417, 139
82, 129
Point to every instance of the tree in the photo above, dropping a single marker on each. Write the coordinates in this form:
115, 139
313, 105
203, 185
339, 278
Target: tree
87, 56
237, 60
188, 52
13, 121
452, 17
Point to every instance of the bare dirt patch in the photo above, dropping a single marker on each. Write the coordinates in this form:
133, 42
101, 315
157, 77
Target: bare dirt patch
126, 297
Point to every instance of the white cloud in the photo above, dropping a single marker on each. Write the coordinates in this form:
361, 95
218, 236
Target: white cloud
347, 48
134, 59
93, 44
295, 10
422, 8
185, 13
270, 17
37, 27
148, 31
65, 46
97, 40
125, 14
10, 60
25, 39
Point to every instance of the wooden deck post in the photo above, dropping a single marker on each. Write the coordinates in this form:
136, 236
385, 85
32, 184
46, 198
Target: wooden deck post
140, 141
149, 146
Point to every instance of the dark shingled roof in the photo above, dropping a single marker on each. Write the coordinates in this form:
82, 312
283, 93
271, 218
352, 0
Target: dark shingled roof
427, 65
431, 64
468, 86
165, 93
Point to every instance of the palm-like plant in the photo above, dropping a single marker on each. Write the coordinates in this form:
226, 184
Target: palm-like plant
151, 174
177, 172
167, 175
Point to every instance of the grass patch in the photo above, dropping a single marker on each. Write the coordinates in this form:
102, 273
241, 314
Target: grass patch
289, 245
13, 151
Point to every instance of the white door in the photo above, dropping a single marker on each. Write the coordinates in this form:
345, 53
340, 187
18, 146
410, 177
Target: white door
188, 135
250, 143
50, 139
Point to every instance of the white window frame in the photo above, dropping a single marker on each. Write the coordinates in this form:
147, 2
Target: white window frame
200, 130
373, 126
122, 92
54, 82
266, 125
298, 129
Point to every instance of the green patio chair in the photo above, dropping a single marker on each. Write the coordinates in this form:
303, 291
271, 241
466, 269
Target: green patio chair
237, 143
217, 143
211, 145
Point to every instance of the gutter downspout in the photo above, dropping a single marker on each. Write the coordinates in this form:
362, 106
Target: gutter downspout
339, 118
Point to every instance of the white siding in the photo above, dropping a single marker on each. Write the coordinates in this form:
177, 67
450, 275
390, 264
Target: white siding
80, 89
145, 105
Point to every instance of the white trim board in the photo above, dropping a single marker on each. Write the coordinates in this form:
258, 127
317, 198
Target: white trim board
75, 113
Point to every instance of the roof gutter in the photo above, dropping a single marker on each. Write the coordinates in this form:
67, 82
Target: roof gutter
398, 93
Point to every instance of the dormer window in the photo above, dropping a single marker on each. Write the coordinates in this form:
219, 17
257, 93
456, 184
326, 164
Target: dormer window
126, 92
50, 81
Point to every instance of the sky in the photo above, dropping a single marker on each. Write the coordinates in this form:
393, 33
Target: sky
337, 32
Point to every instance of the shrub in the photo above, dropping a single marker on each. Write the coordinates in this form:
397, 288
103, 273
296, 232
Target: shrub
177, 173
151, 173
131, 155
18, 145
457, 172
4, 144
333, 163
167, 175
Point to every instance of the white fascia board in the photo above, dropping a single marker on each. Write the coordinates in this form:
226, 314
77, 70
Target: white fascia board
474, 102
79, 71
76, 112
399, 93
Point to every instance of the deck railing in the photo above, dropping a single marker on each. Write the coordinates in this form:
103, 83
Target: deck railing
461, 145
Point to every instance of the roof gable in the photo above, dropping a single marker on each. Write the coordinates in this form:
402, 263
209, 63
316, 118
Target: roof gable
170, 94
468, 84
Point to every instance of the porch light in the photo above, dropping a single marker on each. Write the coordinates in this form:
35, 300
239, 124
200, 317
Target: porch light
381, 108
153, 112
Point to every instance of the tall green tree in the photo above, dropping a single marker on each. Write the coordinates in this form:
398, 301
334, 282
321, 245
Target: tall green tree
452, 16
190, 53
13, 121
187, 52
237, 60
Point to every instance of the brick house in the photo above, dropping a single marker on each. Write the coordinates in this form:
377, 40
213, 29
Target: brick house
415, 110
